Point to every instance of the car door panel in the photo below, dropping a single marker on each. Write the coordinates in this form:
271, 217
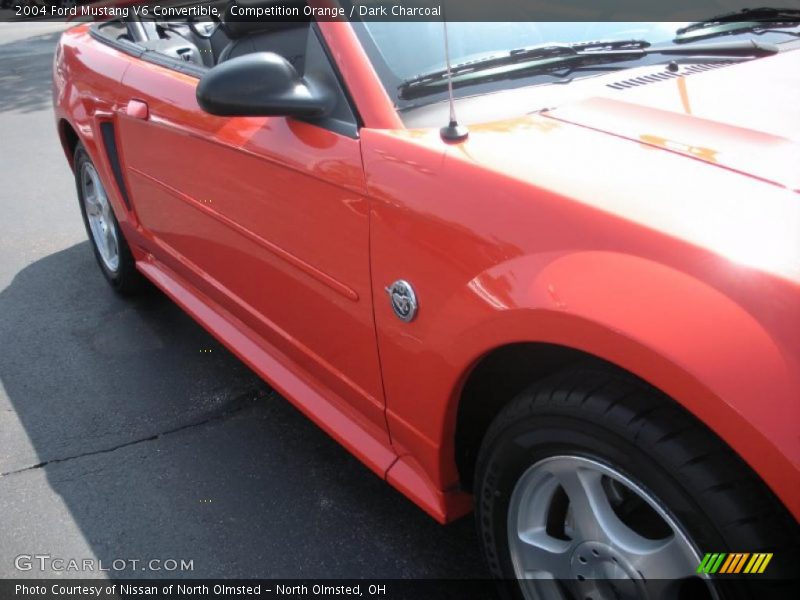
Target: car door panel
267, 215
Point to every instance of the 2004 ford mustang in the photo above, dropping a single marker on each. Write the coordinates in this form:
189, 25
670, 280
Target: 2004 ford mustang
575, 310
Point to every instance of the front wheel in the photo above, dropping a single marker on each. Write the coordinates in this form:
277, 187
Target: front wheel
592, 485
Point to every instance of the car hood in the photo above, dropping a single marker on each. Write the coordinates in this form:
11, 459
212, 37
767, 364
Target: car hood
744, 117
710, 158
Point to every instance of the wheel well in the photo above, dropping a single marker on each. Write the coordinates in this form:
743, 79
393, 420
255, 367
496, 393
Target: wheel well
69, 138
496, 380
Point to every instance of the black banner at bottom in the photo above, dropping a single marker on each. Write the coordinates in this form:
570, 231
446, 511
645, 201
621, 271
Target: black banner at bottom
380, 589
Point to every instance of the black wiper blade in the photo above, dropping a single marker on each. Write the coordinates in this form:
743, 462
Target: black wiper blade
763, 14
739, 28
740, 48
555, 53
559, 56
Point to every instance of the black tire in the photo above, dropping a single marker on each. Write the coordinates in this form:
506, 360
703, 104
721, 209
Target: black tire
613, 419
125, 279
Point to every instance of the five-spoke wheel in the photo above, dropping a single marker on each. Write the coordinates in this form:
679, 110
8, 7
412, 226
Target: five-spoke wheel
98, 212
592, 485
574, 518
108, 242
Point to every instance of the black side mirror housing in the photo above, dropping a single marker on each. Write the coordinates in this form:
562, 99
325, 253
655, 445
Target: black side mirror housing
261, 84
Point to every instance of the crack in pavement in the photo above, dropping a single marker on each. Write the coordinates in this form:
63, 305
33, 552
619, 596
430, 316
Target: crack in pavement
237, 404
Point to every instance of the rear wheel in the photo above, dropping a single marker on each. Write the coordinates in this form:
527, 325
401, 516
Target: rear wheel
592, 485
110, 248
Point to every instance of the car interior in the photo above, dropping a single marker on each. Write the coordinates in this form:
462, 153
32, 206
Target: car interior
206, 42
194, 46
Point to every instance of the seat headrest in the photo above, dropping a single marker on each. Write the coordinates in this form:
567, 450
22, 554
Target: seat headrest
242, 22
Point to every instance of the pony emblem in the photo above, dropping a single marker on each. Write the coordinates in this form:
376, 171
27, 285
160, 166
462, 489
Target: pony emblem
403, 299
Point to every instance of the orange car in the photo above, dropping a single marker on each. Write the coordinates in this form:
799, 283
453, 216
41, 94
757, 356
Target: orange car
576, 310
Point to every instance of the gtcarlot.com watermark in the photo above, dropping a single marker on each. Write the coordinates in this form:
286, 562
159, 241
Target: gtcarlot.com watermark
57, 564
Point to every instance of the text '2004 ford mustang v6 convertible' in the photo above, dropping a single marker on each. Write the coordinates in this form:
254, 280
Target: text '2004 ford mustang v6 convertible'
573, 308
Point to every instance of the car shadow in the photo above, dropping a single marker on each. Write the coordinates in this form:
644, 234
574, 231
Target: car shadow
161, 444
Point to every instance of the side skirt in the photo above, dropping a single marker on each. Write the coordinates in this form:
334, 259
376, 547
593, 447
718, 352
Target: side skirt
293, 384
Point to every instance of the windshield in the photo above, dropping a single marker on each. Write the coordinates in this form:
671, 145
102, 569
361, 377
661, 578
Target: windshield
401, 51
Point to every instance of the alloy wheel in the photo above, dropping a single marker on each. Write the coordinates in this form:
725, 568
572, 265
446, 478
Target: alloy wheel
577, 520
100, 217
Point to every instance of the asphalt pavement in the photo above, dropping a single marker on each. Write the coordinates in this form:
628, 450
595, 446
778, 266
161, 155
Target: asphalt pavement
128, 433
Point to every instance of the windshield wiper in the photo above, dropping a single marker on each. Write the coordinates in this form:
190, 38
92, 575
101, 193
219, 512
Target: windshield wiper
557, 56
748, 18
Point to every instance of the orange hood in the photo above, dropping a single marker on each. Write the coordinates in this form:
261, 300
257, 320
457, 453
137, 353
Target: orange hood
744, 117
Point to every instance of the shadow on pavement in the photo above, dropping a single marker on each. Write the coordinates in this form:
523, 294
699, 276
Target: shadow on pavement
160, 449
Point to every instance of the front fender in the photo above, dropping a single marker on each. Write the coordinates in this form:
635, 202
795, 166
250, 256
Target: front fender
711, 353
532, 252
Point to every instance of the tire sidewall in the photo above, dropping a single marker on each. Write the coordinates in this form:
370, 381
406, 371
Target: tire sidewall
562, 433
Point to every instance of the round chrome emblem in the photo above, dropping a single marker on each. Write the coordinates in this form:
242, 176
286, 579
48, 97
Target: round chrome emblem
403, 299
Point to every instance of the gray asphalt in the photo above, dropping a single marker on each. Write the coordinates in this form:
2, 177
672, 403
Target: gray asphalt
120, 439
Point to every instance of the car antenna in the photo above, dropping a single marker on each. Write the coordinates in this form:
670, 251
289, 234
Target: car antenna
453, 132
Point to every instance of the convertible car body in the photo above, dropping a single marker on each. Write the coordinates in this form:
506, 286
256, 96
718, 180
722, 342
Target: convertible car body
644, 221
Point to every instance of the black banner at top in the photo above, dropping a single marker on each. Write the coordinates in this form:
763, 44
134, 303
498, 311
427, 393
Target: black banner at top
396, 10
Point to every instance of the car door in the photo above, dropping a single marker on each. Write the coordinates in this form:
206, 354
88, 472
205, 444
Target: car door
268, 217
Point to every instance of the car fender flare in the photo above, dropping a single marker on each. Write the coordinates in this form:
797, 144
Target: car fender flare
663, 325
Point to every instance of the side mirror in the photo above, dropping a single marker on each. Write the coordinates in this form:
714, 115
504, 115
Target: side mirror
260, 84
